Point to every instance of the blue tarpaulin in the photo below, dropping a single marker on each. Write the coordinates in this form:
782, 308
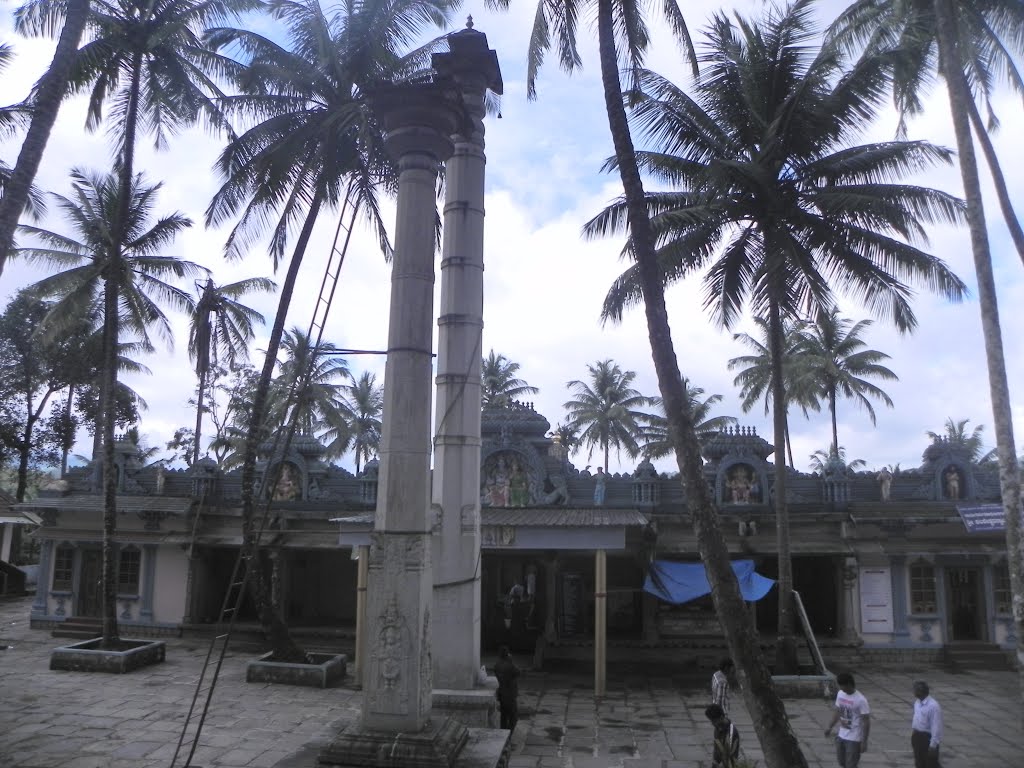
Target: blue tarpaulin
682, 582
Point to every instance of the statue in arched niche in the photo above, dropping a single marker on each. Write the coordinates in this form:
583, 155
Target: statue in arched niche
951, 484
287, 488
742, 486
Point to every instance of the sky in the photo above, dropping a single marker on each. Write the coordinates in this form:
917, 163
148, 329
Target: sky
544, 284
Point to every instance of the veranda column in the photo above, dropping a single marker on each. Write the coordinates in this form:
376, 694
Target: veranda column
362, 570
851, 626
600, 621
456, 492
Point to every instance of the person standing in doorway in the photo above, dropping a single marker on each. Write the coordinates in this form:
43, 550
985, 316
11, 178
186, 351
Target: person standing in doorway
925, 728
720, 685
854, 717
508, 688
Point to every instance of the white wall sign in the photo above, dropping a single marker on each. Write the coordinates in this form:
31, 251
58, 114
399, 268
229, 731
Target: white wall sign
876, 600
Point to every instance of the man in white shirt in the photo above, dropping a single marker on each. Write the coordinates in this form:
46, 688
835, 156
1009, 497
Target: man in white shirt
720, 685
926, 728
854, 717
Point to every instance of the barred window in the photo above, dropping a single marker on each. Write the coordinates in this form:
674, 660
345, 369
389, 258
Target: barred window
129, 563
1003, 593
64, 567
922, 588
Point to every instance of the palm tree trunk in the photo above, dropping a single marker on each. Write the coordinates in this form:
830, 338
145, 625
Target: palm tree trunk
199, 415
126, 158
1002, 193
780, 746
110, 318
789, 445
606, 451
25, 449
49, 95
785, 644
284, 647
835, 424
65, 447
999, 390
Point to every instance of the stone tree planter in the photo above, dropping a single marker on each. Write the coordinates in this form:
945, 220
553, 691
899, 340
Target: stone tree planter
327, 670
88, 656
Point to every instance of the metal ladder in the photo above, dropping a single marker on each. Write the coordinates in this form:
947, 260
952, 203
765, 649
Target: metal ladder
242, 571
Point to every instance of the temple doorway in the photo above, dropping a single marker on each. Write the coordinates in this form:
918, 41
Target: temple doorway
90, 584
963, 590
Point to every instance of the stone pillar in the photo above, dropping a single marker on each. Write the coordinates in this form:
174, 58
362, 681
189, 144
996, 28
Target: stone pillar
40, 606
456, 491
362, 570
851, 626
600, 621
901, 632
148, 579
551, 599
398, 676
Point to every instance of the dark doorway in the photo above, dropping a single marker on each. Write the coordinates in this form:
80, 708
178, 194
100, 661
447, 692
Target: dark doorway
963, 589
90, 584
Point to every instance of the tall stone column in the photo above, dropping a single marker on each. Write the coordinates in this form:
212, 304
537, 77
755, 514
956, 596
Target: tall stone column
398, 678
41, 604
600, 622
362, 573
456, 491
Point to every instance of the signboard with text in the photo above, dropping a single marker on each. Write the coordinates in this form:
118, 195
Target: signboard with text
983, 518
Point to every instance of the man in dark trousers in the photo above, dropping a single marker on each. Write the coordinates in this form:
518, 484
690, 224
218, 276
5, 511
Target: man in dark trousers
926, 727
727, 739
508, 688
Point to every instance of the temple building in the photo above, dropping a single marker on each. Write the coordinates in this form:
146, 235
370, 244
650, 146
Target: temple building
911, 565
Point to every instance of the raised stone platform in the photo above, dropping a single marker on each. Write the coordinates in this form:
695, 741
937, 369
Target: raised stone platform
477, 708
89, 656
324, 671
447, 744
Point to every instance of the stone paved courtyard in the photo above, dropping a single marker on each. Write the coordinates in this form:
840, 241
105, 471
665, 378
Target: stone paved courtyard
76, 720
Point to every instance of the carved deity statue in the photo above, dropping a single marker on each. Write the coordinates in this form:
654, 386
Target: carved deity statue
884, 479
739, 485
518, 486
952, 478
600, 486
287, 487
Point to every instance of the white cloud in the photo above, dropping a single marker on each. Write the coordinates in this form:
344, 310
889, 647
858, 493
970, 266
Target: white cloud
544, 284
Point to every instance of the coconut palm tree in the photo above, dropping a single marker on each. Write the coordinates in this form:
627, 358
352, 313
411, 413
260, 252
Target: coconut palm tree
316, 145
955, 433
823, 462
834, 359
969, 43
622, 34
755, 374
604, 410
657, 444
145, 62
770, 197
33, 19
312, 396
501, 385
366, 404
114, 264
220, 330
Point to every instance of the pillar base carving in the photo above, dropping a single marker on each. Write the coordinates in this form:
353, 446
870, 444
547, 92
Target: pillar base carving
436, 746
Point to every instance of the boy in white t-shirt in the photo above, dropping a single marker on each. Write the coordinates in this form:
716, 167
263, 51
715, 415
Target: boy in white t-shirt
854, 717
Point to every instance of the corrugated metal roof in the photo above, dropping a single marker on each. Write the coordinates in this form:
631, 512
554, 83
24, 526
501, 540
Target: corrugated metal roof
561, 517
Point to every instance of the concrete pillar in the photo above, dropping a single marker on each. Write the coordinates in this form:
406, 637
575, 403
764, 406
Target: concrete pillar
362, 570
398, 678
148, 582
850, 632
901, 633
551, 599
600, 621
40, 606
456, 492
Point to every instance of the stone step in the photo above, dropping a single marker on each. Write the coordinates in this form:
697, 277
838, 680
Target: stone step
976, 656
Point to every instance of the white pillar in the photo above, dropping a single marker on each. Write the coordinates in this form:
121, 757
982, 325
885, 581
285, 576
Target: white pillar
362, 571
398, 675
456, 491
600, 621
